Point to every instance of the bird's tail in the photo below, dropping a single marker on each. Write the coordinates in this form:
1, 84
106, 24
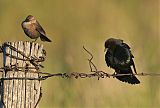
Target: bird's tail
45, 38
131, 79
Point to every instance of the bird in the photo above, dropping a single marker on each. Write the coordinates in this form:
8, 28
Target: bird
119, 57
33, 29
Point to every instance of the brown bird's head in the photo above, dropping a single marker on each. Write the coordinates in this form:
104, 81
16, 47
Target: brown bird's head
30, 18
111, 43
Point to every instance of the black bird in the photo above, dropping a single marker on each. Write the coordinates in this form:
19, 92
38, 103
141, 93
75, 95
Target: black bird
33, 29
120, 58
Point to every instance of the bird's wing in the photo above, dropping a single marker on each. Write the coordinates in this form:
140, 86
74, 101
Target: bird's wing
132, 62
126, 46
40, 29
121, 56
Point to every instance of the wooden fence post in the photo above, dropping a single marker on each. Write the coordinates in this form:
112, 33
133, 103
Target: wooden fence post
20, 60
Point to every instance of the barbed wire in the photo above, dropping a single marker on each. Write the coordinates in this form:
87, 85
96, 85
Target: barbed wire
94, 72
32, 59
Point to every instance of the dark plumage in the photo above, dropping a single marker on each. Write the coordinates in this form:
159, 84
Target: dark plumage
120, 58
33, 29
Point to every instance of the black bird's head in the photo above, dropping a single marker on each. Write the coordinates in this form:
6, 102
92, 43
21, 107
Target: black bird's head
112, 42
29, 18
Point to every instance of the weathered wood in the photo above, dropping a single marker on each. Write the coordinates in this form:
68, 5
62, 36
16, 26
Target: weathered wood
21, 93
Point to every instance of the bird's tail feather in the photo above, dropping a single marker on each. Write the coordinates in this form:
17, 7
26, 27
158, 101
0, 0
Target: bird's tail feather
44, 38
131, 79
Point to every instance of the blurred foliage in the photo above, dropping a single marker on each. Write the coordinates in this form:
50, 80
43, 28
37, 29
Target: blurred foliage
70, 24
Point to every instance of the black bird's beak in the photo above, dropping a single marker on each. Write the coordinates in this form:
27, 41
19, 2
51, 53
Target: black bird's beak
105, 49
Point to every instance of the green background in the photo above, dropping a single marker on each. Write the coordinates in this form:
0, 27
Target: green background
70, 24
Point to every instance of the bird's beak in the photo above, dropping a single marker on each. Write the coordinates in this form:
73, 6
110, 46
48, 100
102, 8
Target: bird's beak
105, 49
26, 20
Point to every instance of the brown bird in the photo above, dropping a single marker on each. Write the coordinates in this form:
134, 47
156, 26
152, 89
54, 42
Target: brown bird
33, 29
120, 58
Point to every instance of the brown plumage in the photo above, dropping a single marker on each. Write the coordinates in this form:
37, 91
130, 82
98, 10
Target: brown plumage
120, 58
33, 29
